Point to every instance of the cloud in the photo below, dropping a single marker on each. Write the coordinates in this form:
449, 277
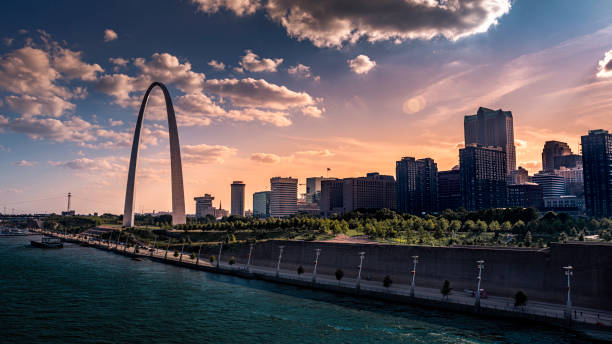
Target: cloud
605, 66
69, 63
2, 148
73, 130
302, 71
206, 154
84, 164
168, 69
277, 118
315, 153
252, 63
118, 61
240, 7
414, 105
24, 163
361, 64
313, 111
114, 123
216, 64
251, 92
8, 41
266, 158
110, 35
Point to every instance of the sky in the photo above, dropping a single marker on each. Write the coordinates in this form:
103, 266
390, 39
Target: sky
265, 88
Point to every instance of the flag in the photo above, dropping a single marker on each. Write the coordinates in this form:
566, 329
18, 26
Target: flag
328, 169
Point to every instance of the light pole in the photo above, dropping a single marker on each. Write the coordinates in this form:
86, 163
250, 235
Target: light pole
219, 258
480, 267
154, 246
280, 256
415, 261
316, 262
199, 251
361, 256
569, 271
246, 268
182, 247
167, 247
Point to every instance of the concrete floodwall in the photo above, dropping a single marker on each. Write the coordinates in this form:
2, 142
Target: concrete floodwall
539, 273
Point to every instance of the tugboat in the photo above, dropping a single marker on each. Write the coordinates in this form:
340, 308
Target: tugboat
47, 242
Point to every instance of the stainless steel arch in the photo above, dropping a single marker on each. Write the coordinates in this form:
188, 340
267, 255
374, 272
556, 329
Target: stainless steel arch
178, 193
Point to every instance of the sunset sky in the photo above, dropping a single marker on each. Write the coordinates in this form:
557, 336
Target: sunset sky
266, 88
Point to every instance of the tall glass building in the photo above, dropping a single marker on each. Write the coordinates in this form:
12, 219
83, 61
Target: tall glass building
597, 168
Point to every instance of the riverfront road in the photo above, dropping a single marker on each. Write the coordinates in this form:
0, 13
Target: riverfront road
545, 309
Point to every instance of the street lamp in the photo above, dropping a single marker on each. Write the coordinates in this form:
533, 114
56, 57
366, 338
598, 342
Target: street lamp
361, 256
220, 249
280, 255
199, 251
167, 247
569, 272
415, 261
182, 247
316, 262
480, 267
154, 245
246, 268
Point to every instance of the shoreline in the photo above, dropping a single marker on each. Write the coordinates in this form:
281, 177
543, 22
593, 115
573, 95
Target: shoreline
395, 294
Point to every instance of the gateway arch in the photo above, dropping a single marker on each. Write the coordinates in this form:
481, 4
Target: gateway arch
178, 194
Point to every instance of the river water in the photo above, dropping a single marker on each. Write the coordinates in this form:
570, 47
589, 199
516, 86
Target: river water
83, 295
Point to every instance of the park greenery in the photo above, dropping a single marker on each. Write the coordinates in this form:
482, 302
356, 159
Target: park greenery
513, 227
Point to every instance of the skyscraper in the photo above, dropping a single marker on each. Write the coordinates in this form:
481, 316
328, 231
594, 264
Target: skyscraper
483, 177
525, 195
552, 185
374, 191
332, 200
449, 189
417, 185
261, 204
568, 161
492, 128
551, 150
283, 196
237, 198
597, 165
518, 176
313, 189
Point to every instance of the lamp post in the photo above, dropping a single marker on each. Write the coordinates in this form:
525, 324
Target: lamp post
361, 256
182, 247
316, 262
199, 251
569, 271
280, 256
480, 267
167, 247
154, 246
125, 243
219, 258
415, 261
246, 268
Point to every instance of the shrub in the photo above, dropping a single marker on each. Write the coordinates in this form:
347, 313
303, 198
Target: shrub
176, 253
446, 289
387, 281
232, 261
520, 299
212, 258
192, 255
339, 275
300, 270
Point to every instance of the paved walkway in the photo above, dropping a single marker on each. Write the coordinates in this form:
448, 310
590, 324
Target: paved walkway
551, 310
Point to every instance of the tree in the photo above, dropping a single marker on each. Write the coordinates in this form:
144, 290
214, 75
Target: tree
506, 226
469, 226
581, 236
528, 239
300, 271
176, 253
520, 299
192, 255
212, 258
455, 225
494, 226
339, 275
562, 237
232, 261
446, 289
387, 281
481, 226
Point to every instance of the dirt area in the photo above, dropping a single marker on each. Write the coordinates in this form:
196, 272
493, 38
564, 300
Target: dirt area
358, 239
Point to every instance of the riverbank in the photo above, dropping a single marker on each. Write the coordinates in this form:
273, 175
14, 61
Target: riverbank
587, 320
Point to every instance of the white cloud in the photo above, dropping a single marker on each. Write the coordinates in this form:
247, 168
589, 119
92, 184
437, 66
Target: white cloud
240, 7
313, 111
361, 64
114, 123
315, 153
252, 63
414, 104
605, 66
24, 163
266, 158
73, 130
302, 71
109, 35
218, 65
69, 63
168, 69
84, 164
206, 154
118, 61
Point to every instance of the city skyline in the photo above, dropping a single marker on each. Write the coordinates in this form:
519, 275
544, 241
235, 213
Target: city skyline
65, 130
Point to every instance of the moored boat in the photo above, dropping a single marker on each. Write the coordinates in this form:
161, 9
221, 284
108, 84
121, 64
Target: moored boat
47, 242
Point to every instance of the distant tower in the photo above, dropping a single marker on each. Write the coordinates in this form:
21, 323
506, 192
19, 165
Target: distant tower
283, 196
68, 208
237, 188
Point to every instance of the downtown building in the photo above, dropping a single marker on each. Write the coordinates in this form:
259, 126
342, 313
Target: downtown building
237, 188
417, 185
525, 195
374, 191
597, 165
283, 196
492, 128
483, 177
553, 149
331, 196
449, 189
204, 206
313, 189
552, 184
261, 204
